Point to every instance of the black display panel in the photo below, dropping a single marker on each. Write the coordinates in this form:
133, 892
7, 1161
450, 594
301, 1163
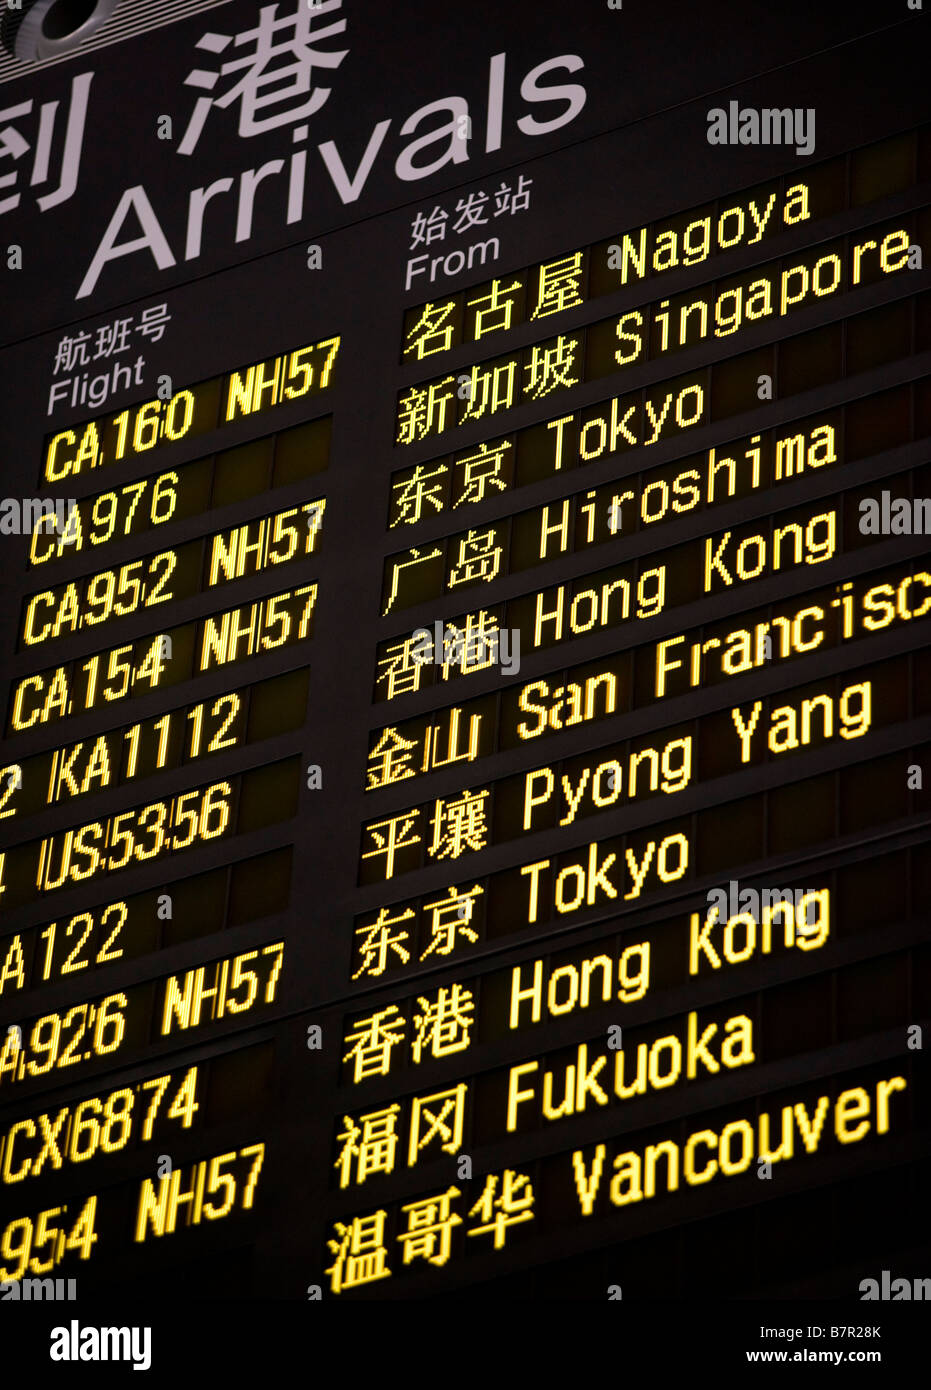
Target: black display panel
492, 531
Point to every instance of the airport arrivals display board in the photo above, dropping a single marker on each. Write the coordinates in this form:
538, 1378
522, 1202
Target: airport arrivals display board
466, 690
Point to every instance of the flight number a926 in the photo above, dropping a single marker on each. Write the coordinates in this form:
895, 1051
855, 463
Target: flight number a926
54, 1040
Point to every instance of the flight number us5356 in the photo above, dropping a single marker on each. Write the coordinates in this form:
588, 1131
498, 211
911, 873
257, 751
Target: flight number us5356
117, 842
